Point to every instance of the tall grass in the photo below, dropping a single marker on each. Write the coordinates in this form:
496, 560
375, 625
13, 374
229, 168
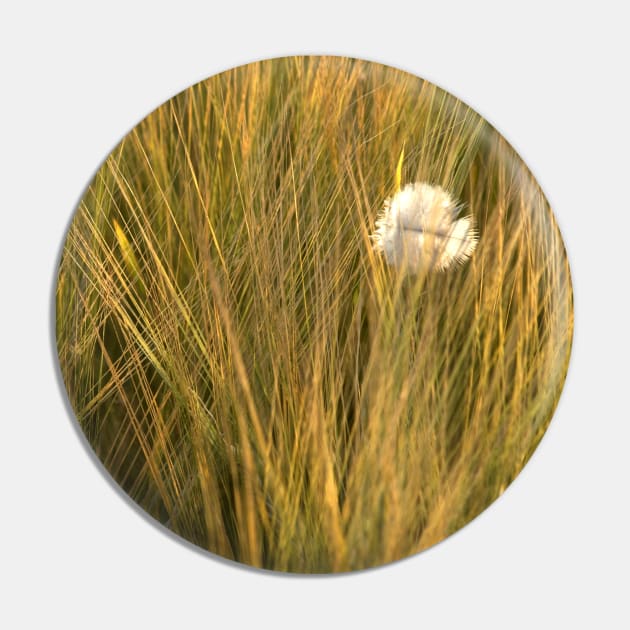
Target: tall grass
253, 374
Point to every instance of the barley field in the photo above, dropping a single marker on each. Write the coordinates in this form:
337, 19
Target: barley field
252, 372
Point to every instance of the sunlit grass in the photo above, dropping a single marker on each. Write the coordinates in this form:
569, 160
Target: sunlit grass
252, 372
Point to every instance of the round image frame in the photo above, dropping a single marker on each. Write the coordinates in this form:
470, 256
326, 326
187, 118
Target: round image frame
289, 302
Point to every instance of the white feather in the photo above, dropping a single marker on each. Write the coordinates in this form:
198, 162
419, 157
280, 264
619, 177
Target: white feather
418, 230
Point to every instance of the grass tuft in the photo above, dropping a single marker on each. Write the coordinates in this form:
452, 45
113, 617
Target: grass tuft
253, 374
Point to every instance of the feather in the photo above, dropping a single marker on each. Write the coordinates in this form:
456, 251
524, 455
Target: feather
418, 230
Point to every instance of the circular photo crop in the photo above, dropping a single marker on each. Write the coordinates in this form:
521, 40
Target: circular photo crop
313, 314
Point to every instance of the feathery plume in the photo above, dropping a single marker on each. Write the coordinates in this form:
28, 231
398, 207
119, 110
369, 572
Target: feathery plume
418, 229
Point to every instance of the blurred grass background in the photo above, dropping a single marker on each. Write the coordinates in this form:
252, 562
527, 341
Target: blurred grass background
253, 374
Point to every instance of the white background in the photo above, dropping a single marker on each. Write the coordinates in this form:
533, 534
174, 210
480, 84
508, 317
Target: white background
552, 552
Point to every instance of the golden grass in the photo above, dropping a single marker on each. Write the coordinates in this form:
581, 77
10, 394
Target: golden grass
253, 374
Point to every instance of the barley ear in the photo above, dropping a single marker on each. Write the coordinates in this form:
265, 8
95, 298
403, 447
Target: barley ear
129, 258
399, 168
